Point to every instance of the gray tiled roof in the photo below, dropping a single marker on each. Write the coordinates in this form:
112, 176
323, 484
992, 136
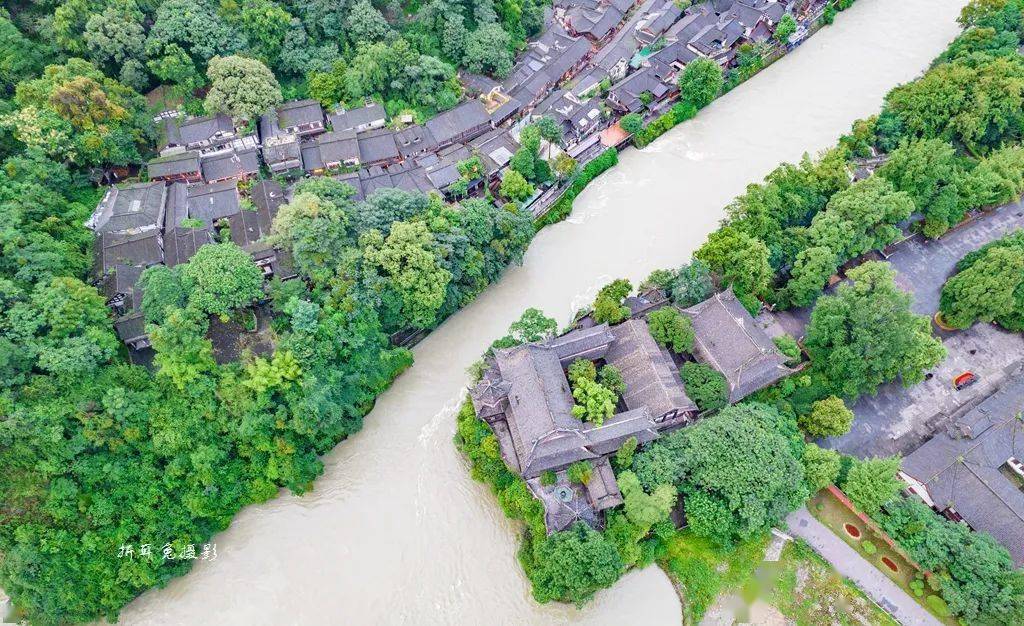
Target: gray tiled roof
337, 147
727, 338
352, 119
413, 140
212, 202
377, 146
281, 152
589, 343
131, 327
174, 165
126, 248
453, 124
298, 112
651, 378
197, 131
610, 435
130, 207
965, 467
230, 164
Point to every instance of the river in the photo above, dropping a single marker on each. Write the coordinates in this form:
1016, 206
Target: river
395, 531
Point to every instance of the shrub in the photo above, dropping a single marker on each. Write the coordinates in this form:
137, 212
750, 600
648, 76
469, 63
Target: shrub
548, 478
579, 472
671, 329
631, 123
789, 348
828, 418
868, 547
938, 606
581, 369
705, 386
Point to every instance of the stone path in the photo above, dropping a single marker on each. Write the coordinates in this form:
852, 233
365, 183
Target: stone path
852, 565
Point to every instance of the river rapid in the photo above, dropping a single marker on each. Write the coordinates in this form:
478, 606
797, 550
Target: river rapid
395, 531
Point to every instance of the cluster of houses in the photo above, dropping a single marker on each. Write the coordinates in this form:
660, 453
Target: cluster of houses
595, 60
155, 223
355, 144
972, 471
525, 396
588, 66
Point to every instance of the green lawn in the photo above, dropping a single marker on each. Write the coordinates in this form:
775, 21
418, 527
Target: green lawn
808, 591
702, 571
800, 587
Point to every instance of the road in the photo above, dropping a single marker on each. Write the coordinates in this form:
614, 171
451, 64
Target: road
852, 565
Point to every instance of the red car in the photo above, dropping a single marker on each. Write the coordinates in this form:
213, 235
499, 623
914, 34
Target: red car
964, 380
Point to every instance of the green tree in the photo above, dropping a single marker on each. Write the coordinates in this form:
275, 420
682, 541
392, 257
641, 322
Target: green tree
986, 291
115, 35
515, 187
581, 369
813, 268
701, 82
265, 25
872, 482
828, 418
866, 334
988, 286
240, 87
579, 472
366, 23
183, 355
692, 284
570, 566
610, 377
594, 402
162, 291
488, 50
407, 260
645, 509
531, 326
860, 218
925, 170
705, 386
671, 329
738, 259
624, 455
738, 472
220, 278
564, 166
632, 123
977, 104
785, 28
315, 230
608, 307
821, 467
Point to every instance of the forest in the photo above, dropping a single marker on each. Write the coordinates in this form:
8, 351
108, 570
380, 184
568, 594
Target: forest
99, 453
951, 142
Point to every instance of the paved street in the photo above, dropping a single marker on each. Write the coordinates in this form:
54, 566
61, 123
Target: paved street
897, 420
852, 565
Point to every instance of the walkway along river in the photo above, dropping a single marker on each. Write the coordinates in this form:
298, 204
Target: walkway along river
395, 531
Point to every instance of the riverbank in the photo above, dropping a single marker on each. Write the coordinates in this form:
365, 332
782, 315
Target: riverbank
395, 505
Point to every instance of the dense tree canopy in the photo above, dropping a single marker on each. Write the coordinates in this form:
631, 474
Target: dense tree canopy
700, 82
739, 471
865, 335
988, 286
243, 88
